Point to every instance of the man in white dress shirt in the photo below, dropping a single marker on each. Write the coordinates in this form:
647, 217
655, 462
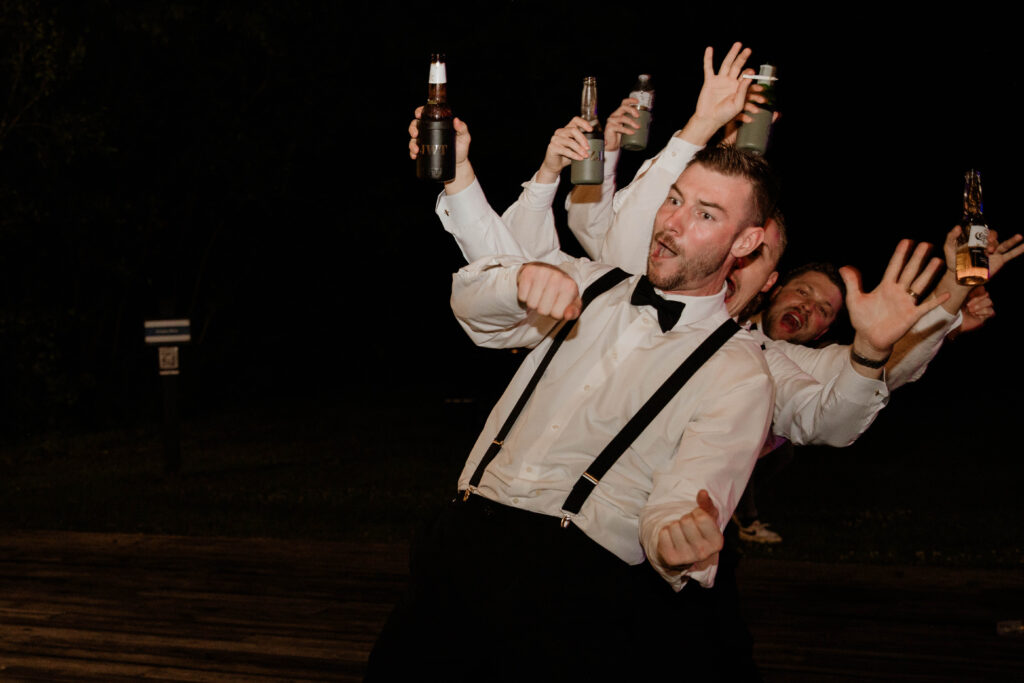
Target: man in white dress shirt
510, 583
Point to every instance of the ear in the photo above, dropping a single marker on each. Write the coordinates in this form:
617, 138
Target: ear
747, 241
770, 282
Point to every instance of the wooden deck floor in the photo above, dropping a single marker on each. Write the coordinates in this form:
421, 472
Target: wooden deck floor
116, 607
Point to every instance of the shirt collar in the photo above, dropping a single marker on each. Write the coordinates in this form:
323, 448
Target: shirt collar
697, 308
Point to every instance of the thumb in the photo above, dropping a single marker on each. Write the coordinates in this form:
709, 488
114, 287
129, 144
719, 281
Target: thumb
705, 503
852, 280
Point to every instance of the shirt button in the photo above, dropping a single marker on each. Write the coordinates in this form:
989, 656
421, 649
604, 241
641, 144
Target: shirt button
529, 469
586, 387
515, 500
554, 427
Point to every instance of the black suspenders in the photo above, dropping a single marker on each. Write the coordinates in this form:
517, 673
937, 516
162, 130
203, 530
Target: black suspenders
618, 445
596, 288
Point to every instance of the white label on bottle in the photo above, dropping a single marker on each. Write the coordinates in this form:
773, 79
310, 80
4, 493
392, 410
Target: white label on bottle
646, 98
437, 73
978, 236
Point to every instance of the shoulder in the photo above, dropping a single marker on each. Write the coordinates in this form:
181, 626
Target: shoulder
739, 358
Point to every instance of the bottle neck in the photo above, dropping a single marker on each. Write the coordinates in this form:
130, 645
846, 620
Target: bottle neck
437, 93
972, 196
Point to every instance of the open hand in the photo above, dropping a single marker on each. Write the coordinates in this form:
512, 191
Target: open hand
724, 94
886, 313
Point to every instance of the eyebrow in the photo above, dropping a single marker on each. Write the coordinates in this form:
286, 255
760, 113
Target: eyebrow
702, 202
823, 302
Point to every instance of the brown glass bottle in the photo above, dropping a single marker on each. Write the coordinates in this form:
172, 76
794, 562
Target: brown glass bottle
436, 136
590, 171
971, 254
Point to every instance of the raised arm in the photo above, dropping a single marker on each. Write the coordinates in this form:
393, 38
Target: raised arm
478, 230
913, 352
624, 233
504, 302
881, 317
840, 389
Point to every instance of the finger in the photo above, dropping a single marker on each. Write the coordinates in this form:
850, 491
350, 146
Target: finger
737, 65
922, 281
580, 122
729, 58
981, 308
414, 149
742, 93
913, 266
565, 299
677, 543
414, 128
573, 310
931, 303
418, 112
525, 283
709, 69
460, 126
1011, 252
953, 235
1008, 244
852, 280
706, 504
575, 140
710, 536
694, 539
899, 257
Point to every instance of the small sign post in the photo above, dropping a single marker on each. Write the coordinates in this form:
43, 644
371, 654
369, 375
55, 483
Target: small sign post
166, 335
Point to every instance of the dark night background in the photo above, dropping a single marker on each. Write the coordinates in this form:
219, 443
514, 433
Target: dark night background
244, 164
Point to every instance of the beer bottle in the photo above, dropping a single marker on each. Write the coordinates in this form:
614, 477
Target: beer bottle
643, 91
971, 254
590, 171
436, 137
753, 136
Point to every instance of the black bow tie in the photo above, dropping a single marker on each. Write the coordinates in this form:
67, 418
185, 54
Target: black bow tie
668, 311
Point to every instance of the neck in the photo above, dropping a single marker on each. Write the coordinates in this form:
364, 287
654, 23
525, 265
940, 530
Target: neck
707, 288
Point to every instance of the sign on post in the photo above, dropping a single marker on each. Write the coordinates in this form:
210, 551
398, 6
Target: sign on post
166, 335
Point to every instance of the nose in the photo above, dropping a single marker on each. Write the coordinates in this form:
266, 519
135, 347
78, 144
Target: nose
674, 222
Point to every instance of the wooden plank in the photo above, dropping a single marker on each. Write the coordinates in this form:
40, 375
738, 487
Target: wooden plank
115, 607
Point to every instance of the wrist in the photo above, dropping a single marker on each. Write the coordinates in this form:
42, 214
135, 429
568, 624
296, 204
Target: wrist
869, 356
546, 175
698, 130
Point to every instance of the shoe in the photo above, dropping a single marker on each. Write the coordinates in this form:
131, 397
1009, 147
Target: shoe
756, 532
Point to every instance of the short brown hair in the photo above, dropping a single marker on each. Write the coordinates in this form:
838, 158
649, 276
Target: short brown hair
730, 161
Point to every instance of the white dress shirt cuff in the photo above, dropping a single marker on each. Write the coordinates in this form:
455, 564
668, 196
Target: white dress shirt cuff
611, 162
470, 204
857, 388
538, 196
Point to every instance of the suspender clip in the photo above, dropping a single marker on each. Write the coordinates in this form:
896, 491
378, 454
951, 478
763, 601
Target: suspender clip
566, 521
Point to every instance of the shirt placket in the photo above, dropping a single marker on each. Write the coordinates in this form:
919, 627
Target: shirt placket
543, 450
